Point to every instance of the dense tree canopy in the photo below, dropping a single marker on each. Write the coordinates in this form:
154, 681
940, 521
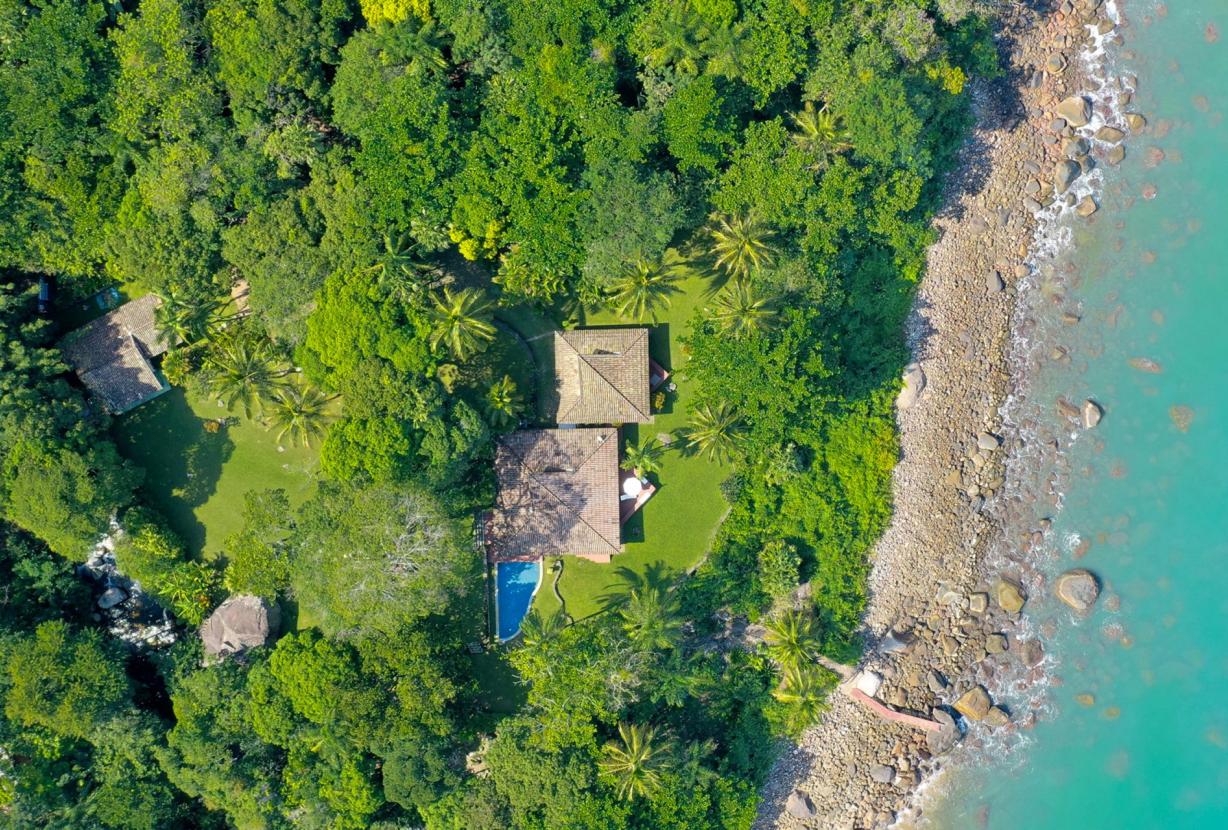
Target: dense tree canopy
384, 187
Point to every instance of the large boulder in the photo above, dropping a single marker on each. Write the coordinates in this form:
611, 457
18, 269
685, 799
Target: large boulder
914, 385
1076, 109
974, 704
799, 805
882, 773
1010, 596
1078, 589
946, 736
239, 623
1092, 413
111, 597
1064, 175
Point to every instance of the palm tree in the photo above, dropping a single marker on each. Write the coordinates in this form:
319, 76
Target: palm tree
792, 639
819, 133
713, 431
645, 287
724, 46
536, 629
650, 618
741, 309
805, 689
635, 762
739, 244
503, 401
677, 37
693, 762
462, 322
243, 369
643, 458
184, 319
300, 413
414, 46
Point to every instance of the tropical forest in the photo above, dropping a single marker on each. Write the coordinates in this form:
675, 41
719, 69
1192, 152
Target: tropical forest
354, 232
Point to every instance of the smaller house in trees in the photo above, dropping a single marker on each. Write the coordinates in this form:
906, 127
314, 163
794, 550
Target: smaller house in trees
113, 355
558, 494
601, 376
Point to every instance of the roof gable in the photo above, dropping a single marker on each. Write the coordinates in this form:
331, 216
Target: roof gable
112, 354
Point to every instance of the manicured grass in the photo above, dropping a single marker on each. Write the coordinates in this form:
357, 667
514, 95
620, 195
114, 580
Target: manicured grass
198, 479
673, 531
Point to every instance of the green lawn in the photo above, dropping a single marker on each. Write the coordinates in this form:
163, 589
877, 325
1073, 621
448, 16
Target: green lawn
198, 479
674, 529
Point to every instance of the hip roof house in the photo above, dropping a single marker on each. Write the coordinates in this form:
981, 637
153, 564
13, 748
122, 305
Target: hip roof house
558, 493
112, 355
601, 376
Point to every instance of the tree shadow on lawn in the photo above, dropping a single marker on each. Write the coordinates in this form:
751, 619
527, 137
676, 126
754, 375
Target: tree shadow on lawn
182, 461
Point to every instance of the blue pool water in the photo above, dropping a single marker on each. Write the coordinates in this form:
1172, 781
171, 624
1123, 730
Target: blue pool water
516, 583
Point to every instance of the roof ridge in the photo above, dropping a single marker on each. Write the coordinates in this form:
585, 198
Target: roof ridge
611, 384
545, 487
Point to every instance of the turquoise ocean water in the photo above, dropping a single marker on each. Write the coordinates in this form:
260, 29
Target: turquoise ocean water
1144, 497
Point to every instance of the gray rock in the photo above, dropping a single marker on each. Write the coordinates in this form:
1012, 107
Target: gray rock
1032, 167
997, 717
978, 603
1078, 589
1092, 413
1064, 174
914, 385
1076, 109
882, 773
799, 805
941, 740
996, 643
1033, 205
936, 682
1031, 652
1116, 155
111, 597
1056, 64
994, 283
1087, 206
1057, 124
988, 441
1075, 148
1112, 135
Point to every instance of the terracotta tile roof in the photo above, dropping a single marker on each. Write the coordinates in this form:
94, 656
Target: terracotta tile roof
558, 493
600, 377
112, 354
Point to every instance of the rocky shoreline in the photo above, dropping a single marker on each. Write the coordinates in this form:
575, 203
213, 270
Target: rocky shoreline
940, 625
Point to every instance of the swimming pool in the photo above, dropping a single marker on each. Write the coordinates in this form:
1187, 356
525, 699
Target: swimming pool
515, 585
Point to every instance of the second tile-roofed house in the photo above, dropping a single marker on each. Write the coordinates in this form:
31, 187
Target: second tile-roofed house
601, 376
112, 355
558, 493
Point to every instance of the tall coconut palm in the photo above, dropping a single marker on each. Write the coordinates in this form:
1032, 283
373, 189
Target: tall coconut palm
739, 245
634, 763
414, 47
504, 402
643, 458
712, 431
650, 618
792, 639
742, 310
646, 286
725, 48
462, 322
675, 40
805, 689
243, 370
185, 319
299, 413
819, 133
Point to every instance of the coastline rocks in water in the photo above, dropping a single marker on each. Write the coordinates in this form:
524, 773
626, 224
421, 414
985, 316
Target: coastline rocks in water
974, 704
1087, 206
1092, 413
996, 643
882, 773
1116, 155
914, 385
1078, 589
997, 717
799, 805
1064, 174
1076, 109
945, 737
1066, 409
1010, 596
1146, 364
987, 441
111, 597
1108, 134
1031, 652
1135, 121
1075, 148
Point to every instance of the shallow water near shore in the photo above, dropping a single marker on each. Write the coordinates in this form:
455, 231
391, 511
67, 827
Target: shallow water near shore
1130, 726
